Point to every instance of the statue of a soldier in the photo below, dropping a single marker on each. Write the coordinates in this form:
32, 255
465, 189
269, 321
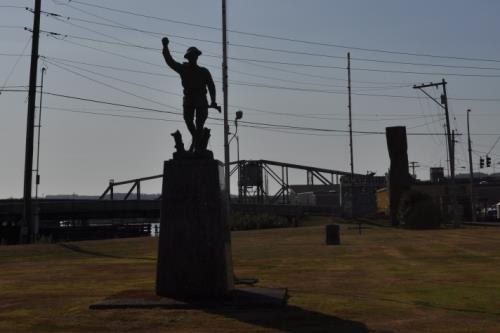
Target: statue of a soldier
195, 81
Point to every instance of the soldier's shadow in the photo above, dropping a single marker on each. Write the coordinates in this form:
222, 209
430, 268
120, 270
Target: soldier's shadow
292, 319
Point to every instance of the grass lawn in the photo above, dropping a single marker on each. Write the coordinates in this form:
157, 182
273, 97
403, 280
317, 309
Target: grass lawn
384, 280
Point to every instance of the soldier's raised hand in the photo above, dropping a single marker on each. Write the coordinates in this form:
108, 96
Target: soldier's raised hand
165, 41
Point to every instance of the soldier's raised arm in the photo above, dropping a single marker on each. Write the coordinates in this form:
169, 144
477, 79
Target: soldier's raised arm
168, 57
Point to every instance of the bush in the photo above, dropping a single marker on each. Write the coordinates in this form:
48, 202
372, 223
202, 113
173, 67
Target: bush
240, 221
418, 211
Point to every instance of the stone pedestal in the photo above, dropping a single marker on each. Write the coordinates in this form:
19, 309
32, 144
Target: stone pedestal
194, 251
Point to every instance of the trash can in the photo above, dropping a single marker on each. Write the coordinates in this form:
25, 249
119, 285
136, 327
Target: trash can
332, 234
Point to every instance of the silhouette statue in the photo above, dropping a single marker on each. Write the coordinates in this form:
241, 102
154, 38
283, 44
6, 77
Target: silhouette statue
195, 81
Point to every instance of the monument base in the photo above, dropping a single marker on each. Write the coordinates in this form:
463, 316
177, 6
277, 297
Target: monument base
253, 297
194, 250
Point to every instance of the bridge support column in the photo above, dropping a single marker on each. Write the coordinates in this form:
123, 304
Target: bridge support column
194, 252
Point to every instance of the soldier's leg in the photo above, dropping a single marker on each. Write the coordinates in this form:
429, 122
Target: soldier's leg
189, 119
201, 117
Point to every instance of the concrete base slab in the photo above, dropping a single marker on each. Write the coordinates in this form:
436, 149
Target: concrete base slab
251, 297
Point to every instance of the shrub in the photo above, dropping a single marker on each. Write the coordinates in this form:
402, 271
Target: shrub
240, 221
418, 211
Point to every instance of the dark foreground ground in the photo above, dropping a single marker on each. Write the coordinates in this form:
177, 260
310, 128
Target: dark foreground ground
384, 280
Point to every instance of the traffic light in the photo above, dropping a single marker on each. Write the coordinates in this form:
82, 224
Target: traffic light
488, 161
481, 163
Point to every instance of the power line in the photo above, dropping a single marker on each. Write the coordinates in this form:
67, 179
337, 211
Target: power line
57, 16
113, 87
282, 126
121, 80
12, 6
16, 63
13, 90
126, 44
13, 55
286, 51
50, 59
268, 36
292, 88
235, 71
274, 130
11, 27
237, 106
112, 114
494, 145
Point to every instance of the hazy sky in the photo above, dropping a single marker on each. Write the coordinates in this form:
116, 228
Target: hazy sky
80, 152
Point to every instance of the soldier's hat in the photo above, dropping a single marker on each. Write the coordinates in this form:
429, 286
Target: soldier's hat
192, 51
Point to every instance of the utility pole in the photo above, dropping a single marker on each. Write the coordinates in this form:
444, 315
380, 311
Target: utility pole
452, 155
26, 228
36, 221
413, 166
39, 127
471, 171
444, 104
349, 106
225, 88
448, 168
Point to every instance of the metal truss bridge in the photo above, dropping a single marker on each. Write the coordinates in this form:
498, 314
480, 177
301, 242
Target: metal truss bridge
254, 196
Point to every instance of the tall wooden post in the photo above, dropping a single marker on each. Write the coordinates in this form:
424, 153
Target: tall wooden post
226, 106
471, 171
26, 228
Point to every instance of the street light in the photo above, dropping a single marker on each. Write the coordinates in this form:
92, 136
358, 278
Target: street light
239, 115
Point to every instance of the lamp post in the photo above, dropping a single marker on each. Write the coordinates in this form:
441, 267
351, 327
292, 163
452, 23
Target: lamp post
471, 171
239, 115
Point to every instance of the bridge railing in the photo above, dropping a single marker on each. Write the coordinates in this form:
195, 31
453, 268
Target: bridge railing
136, 185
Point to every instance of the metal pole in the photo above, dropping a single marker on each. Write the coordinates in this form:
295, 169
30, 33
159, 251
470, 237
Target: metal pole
237, 140
238, 155
350, 130
37, 178
26, 230
452, 158
471, 171
225, 90
447, 153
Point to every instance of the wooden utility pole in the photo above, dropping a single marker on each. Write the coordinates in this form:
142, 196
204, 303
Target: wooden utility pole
413, 166
26, 228
350, 110
349, 106
448, 168
471, 171
39, 127
444, 104
225, 88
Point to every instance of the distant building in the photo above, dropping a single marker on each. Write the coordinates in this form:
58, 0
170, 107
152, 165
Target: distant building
382, 198
359, 195
486, 195
315, 195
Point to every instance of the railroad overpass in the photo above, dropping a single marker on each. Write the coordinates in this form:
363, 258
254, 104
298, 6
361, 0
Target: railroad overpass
55, 210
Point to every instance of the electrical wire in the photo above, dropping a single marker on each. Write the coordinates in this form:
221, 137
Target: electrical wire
244, 123
268, 36
111, 86
7, 78
294, 64
494, 145
255, 47
284, 87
